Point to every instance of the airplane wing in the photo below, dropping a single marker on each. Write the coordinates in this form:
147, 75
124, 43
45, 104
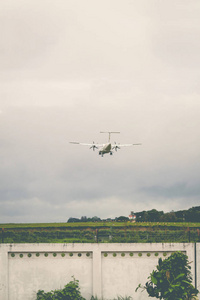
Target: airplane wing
127, 145
118, 146
84, 144
92, 146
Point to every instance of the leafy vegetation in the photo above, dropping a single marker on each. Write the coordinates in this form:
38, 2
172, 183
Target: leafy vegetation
171, 279
71, 291
190, 215
118, 298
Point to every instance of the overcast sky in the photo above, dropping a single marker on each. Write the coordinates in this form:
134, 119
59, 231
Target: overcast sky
72, 68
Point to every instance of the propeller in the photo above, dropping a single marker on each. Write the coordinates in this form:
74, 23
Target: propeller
115, 147
93, 146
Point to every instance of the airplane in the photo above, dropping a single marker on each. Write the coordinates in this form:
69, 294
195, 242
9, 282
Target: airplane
105, 148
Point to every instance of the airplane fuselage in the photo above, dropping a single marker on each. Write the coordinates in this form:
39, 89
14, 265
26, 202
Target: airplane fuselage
105, 149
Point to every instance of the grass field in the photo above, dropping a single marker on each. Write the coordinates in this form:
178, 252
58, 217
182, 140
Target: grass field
103, 232
101, 224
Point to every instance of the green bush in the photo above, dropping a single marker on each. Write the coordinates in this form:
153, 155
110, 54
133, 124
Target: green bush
118, 298
71, 291
172, 279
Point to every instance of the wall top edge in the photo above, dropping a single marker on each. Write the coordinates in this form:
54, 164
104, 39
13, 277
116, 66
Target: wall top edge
97, 246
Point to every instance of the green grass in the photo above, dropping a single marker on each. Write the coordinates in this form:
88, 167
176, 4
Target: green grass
108, 232
100, 225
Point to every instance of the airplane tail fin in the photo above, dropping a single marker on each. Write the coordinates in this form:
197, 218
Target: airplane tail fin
109, 132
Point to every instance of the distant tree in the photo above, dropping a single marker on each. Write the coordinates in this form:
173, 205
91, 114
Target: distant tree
95, 219
154, 215
169, 217
193, 214
83, 219
149, 216
122, 219
73, 220
180, 215
142, 216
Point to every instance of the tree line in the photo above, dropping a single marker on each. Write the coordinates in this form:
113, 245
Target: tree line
189, 215
153, 215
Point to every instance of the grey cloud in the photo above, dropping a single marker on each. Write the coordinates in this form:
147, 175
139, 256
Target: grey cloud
178, 190
74, 69
27, 34
180, 49
13, 194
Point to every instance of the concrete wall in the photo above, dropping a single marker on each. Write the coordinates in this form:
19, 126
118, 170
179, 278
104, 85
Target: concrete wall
105, 270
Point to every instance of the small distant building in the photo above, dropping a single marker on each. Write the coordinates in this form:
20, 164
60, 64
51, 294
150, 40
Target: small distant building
132, 217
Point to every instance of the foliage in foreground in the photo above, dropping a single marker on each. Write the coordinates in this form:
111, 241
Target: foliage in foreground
118, 298
171, 279
71, 291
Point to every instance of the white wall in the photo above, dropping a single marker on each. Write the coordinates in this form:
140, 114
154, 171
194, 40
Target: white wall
99, 271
